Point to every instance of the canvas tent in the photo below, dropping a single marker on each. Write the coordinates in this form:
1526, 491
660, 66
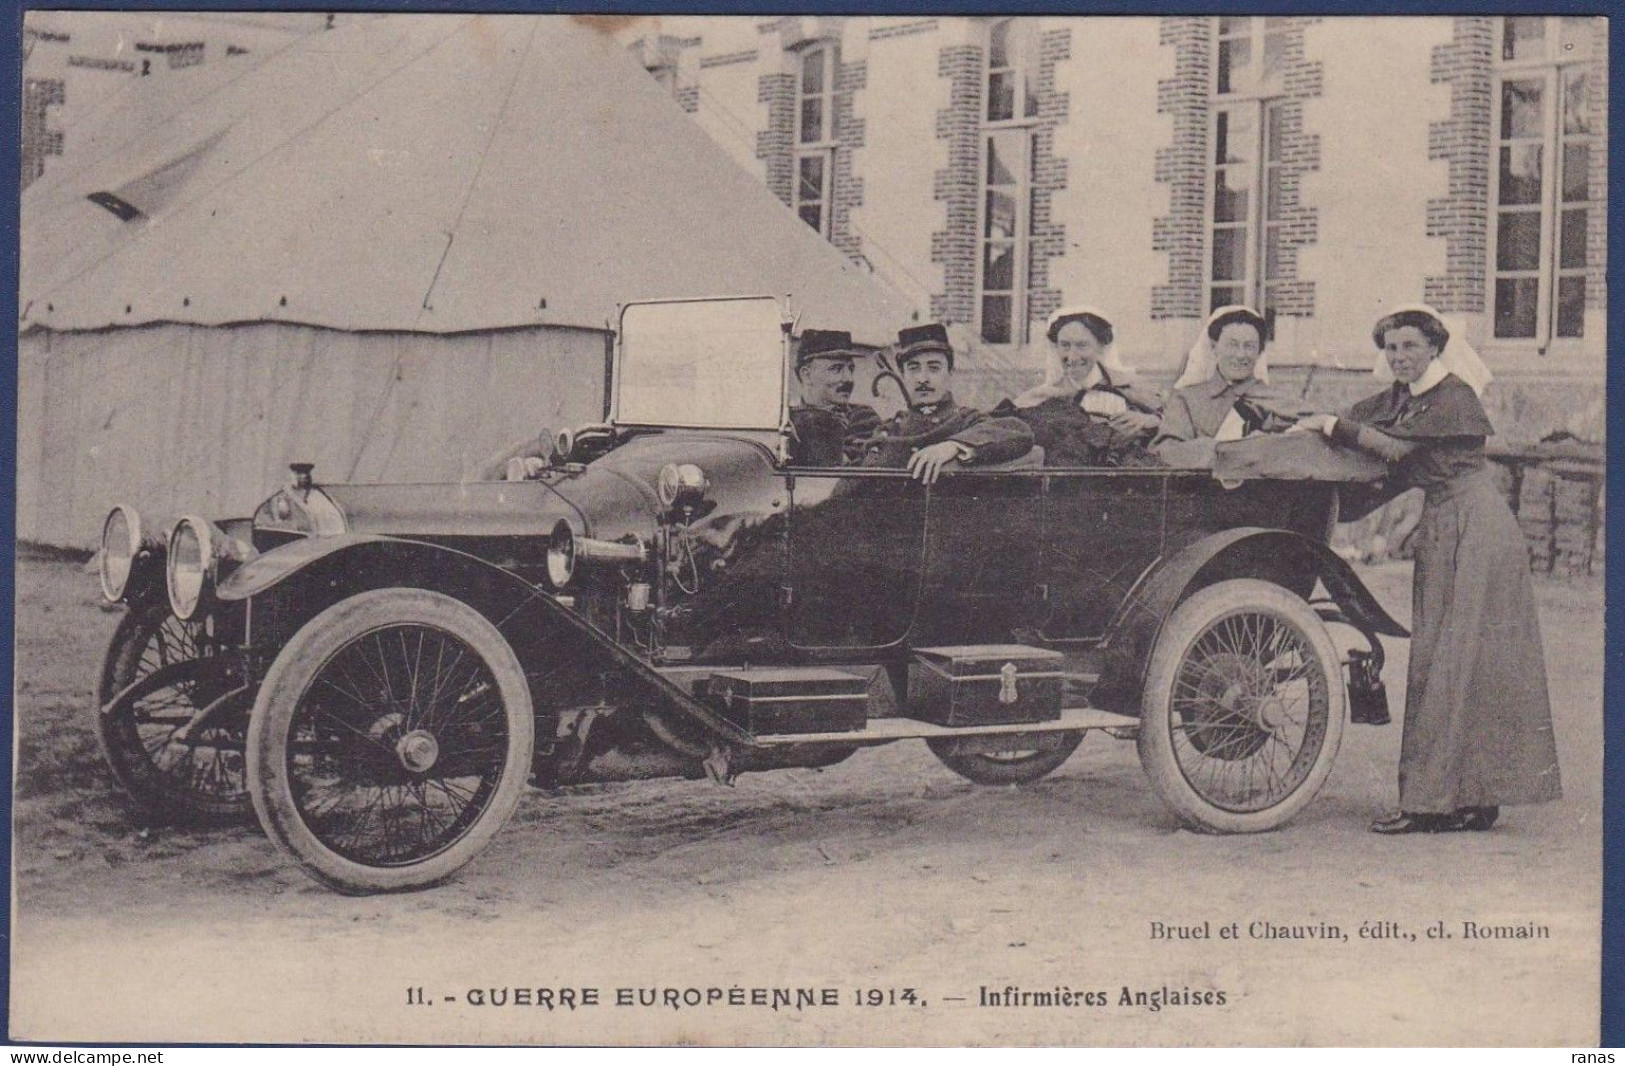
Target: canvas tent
390, 249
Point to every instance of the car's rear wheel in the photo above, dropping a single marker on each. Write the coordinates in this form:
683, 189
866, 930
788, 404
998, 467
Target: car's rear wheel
391, 739
158, 673
1243, 708
1017, 759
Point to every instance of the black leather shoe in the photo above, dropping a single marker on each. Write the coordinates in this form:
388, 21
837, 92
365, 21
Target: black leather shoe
1474, 819
1405, 822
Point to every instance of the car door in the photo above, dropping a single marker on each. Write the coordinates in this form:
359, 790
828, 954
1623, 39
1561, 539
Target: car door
984, 537
856, 557
1102, 529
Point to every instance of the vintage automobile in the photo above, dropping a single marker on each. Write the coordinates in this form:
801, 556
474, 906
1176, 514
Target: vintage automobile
380, 670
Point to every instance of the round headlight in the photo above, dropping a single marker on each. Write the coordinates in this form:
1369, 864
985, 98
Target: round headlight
561, 556
190, 567
667, 484
121, 542
564, 445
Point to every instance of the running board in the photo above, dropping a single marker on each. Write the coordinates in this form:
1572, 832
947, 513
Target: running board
882, 729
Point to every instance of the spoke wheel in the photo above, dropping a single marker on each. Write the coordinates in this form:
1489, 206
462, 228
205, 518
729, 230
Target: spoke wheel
390, 741
200, 780
1243, 708
1027, 759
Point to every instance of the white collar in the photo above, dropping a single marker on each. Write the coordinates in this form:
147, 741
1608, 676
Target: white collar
1431, 377
1094, 377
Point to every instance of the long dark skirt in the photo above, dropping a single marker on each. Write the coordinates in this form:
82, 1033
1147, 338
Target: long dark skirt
1478, 721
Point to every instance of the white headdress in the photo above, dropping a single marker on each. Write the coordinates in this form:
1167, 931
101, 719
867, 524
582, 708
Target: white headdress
1055, 380
1458, 357
1200, 362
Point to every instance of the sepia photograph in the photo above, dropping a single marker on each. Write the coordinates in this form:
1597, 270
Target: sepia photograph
810, 529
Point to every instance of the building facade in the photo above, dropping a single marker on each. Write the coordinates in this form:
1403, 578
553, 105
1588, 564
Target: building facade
1322, 169
77, 67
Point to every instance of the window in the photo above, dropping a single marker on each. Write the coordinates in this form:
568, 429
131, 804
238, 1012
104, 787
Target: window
814, 150
1545, 135
1011, 89
1244, 213
1004, 246
1251, 55
1245, 169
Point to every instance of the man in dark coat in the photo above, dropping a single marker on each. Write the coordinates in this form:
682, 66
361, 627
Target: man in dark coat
829, 430
935, 430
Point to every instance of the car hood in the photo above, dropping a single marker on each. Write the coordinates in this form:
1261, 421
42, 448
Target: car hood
612, 497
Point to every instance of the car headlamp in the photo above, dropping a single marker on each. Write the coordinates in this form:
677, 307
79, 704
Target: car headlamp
200, 554
561, 555
124, 551
681, 485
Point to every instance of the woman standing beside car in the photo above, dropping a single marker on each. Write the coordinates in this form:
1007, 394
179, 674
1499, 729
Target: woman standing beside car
1478, 720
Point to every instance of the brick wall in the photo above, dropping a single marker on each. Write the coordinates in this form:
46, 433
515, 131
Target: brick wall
846, 188
1182, 166
957, 185
38, 138
1597, 180
774, 145
1463, 141
1048, 237
1300, 154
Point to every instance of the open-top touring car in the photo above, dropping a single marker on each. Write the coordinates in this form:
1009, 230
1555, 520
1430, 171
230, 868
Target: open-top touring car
379, 670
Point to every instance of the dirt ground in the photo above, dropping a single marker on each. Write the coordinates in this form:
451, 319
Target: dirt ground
883, 873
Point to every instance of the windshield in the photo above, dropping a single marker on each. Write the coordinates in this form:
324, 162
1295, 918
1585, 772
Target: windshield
704, 364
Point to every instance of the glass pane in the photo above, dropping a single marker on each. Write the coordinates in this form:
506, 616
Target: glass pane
1517, 241
1520, 174
812, 178
812, 215
1523, 38
1576, 36
1274, 58
1234, 137
1230, 191
1001, 97
701, 363
998, 267
812, 120
1522, 110
1029, 87
1572, 245
812, 73
1235, 57
1576, 173
1273, 194
1571, 307
1000, 223
1235, 24
1003, 158
996, 319
1515, 300
998, 44
1226, 296
1577, 103
1273, 122
1229, 255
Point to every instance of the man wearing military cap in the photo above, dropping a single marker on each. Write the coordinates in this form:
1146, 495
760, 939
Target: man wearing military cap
828, 429
935, 430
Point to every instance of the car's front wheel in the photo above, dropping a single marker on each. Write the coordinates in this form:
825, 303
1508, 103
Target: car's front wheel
159, 673
390, 740
1243, 708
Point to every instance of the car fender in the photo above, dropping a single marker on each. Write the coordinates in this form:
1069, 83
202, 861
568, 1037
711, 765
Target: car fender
319, 570
1284, 557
